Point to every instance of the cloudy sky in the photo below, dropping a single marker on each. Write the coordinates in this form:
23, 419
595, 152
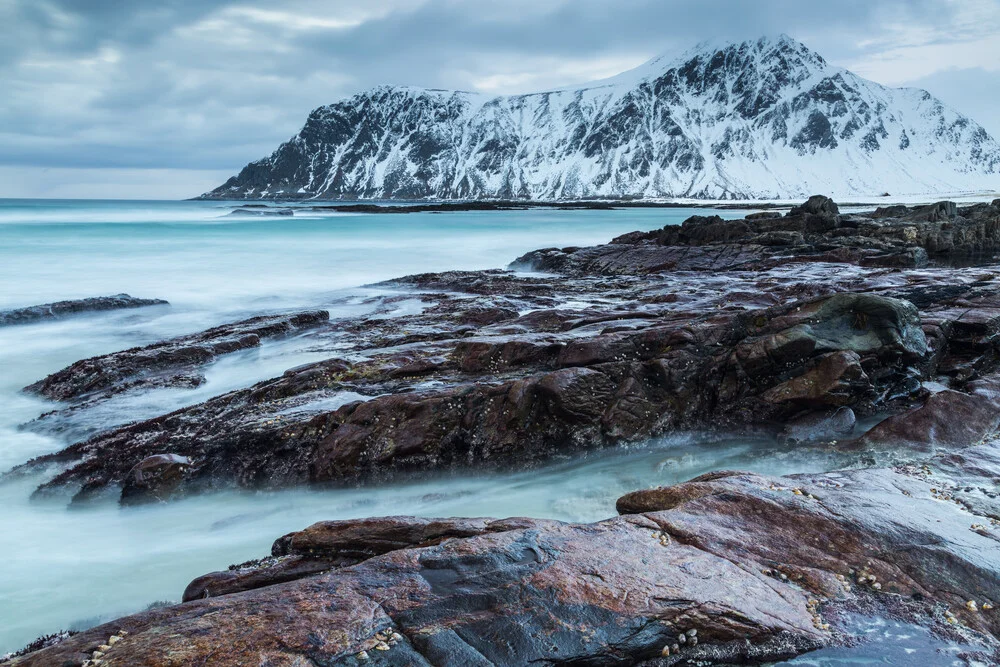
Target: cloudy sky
168, 98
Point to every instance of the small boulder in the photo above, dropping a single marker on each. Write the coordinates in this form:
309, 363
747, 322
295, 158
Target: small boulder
860, 323
949, 418
816, 205
867, 323
663, 498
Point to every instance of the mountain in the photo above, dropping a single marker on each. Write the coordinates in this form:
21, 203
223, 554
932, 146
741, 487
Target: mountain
758, 119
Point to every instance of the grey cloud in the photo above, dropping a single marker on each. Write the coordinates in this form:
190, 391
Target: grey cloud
77, 26
194, 84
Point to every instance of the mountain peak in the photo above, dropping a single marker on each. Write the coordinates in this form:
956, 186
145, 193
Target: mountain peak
763, 43
767, 50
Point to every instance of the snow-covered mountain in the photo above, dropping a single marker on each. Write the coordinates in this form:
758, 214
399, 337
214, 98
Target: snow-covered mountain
758, 119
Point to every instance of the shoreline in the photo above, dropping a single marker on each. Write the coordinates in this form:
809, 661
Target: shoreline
798, 325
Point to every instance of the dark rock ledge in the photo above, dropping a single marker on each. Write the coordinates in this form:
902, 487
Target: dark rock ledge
496, 372
277, 210
729, 568
893, 237
51, 311
173, 362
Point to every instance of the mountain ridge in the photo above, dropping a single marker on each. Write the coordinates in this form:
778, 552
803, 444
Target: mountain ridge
758, 119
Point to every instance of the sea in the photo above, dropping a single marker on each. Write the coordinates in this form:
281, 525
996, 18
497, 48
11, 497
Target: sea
64, 568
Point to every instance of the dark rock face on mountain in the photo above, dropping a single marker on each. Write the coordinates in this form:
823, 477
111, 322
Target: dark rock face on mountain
172, 362
470, 382
758, 119
51, 311
728, 568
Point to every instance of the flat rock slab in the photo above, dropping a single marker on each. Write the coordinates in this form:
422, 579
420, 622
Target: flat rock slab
169, 362
59, 309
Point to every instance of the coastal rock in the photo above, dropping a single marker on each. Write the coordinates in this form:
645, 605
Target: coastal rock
816, 426
51, 311
612, 387
154, 478
747, 568
893, 237
492, 371
947, 419
170, 362
816, 205
837, 379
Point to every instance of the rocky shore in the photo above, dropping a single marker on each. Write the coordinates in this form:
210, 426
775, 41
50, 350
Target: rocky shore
171, 362
729, 568
699, 326
794, 326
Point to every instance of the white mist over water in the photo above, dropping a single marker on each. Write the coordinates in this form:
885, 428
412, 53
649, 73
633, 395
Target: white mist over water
73, 568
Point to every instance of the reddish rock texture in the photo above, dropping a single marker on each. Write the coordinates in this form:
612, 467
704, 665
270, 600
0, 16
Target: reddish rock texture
747, 568
170, 362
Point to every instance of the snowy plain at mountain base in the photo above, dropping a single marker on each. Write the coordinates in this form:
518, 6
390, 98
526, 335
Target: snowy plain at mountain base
850, 200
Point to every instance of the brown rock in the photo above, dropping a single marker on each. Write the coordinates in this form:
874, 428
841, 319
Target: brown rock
757, 568
949, 419
837, 379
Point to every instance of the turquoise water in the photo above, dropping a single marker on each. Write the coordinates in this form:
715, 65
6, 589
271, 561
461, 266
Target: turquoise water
192, 255
71, 569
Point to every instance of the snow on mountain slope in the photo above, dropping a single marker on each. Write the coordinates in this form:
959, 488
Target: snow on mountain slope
753, 120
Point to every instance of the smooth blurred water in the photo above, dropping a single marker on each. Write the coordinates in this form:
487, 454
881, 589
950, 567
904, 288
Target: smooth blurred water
192, 255
65, 569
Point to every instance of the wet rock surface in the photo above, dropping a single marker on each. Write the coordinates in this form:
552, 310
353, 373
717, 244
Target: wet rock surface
498, 370
171, 362
729, 568
59, 309
154, 478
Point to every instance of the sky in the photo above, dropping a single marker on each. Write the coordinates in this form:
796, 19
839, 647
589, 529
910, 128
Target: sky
165, 99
